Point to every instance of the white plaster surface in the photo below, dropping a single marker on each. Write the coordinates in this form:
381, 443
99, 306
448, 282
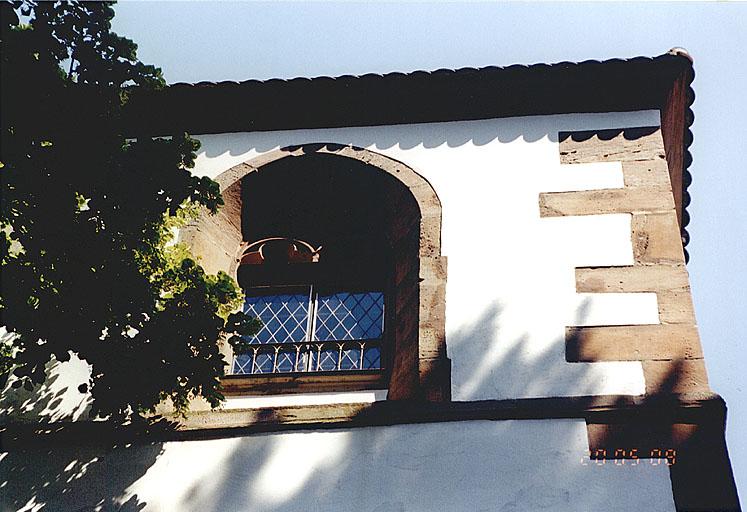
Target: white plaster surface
495, 466
587, 176
511, 285
57, 399
255, 402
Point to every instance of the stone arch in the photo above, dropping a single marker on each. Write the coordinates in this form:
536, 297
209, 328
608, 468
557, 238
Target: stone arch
420, 367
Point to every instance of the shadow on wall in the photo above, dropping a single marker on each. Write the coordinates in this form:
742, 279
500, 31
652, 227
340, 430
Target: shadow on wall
483, 465
515, 369
75, 478
478, 465
21, 403
388, 469
627, 133
50, 401
410, 467
86, 476
689, 436
298, 471
453, 135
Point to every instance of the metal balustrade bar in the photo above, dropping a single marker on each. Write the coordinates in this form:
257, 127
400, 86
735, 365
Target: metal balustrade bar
309, 357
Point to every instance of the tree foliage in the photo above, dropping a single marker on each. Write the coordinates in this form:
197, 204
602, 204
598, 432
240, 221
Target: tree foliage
87, 215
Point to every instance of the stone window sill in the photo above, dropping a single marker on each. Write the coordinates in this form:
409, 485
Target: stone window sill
237, 385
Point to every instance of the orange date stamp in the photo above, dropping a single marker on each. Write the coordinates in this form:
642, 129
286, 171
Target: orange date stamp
630, 457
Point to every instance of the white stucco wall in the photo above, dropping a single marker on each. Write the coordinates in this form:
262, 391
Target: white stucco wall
511, 285
510, 294
496, 466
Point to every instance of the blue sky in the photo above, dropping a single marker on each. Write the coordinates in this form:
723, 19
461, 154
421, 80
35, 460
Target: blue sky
196, 41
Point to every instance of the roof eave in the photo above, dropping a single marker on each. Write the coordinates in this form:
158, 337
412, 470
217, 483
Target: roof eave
618, 85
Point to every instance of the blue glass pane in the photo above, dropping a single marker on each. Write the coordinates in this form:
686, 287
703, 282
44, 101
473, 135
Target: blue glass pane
325, 360
351, 359
342, 322
264, 362
372, 358
284, 317
242, 363
286, 361
349, 316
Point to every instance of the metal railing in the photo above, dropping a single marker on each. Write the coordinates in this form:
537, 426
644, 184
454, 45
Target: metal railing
335, 356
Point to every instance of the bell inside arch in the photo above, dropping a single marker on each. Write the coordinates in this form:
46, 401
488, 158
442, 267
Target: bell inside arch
280, 250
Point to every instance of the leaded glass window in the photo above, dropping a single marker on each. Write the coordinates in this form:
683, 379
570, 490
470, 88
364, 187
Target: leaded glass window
305, 330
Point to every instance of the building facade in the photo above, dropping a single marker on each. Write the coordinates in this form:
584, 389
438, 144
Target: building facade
474, 294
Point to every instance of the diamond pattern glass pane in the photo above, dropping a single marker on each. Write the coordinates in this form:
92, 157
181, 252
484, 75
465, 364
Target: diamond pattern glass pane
242, 363
352, 323
284, 317
349, 316
264, 362
372, 358
325, 360
286, 360
351, 358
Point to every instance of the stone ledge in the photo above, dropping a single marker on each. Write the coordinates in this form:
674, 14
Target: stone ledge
308, 382
691, 376
641, 173
229, 423
639, 278
632, 343
656, 238
676, 307
605, 201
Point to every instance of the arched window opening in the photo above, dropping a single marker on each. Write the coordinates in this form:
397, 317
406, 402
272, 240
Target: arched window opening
338, 251
320, 285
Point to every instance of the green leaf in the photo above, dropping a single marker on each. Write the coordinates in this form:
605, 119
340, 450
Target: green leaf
88, 219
